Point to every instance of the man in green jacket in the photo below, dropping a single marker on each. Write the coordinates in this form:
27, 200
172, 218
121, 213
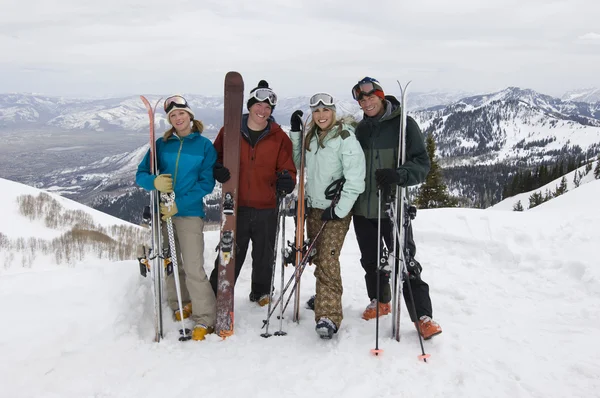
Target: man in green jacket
379, 135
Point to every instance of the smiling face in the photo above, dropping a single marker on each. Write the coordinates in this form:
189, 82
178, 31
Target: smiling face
323, 117
181, 121
371, 105
259, 114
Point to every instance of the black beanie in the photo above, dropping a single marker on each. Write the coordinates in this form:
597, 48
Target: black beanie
252, 100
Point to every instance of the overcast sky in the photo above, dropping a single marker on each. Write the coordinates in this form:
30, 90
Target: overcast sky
114, 47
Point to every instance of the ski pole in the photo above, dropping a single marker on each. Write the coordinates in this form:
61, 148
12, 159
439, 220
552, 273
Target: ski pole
404, 273
280, 332
280, 196
303, 263
169, 200
298, 271
376, 350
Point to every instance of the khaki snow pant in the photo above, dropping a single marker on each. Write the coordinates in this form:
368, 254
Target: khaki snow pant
195, 287
328, 303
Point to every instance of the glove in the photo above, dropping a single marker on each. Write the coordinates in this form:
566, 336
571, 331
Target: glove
168, 211
387, 177
221, 173
164, 183
414, 269
296, 120
285, 184
329, 214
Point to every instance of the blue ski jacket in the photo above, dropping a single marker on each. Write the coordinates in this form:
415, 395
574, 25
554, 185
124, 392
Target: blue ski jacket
190, 162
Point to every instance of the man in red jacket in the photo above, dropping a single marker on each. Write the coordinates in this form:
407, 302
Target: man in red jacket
265, 152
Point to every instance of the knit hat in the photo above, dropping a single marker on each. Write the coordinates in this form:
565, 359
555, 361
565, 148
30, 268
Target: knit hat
380, 94
177, 102
270, 98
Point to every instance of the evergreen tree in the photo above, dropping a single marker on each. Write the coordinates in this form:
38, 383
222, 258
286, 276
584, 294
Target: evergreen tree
518, 206
562, 188
576, 178
434, 193
597, 169
535, 199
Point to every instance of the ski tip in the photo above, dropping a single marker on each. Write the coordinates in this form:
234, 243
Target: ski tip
376, 351
156, 104
234, 80
424, 357
232, 74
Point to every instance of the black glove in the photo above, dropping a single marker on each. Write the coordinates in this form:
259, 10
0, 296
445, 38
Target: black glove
414, 269
221, 173
285, 184
387, 177
296, 120
329, 214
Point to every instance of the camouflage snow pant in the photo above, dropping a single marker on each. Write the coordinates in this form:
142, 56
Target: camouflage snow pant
328, 303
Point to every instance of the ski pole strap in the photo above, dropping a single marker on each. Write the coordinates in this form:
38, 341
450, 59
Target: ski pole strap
334, 190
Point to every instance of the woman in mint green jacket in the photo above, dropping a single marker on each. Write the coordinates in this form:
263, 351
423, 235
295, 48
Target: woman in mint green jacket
332, 153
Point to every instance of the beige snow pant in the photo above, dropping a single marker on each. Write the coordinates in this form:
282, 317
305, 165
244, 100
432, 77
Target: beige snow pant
195, 287
328, 303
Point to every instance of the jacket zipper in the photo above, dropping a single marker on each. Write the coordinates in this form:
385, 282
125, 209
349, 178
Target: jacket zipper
177, 162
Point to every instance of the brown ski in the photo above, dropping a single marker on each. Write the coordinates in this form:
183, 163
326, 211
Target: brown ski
234, 98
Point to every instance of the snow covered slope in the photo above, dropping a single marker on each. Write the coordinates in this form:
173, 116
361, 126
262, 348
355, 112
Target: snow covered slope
517, 294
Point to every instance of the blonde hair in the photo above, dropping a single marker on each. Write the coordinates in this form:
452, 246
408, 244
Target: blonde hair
314, 130
197, 126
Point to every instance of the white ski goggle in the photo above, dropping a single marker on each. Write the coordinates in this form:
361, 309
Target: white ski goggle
265, 94
321, 98
176, 101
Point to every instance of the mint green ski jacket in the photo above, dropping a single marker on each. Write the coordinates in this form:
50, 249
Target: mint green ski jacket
342, 156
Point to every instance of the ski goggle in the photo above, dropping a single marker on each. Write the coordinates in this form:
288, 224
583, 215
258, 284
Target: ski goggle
321, 98
265, 94
366, 86
176, 101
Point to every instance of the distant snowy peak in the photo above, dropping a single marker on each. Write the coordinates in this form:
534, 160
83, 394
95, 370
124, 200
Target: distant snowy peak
512, 126
432, 99
582, 112
590, 95
129, 114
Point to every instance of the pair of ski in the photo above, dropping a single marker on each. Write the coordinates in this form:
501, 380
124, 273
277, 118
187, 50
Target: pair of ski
395, 210
157, 261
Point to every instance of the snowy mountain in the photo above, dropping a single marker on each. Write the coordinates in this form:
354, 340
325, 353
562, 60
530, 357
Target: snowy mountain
516, 293
20, 111
27, 111
512, 126
591, 95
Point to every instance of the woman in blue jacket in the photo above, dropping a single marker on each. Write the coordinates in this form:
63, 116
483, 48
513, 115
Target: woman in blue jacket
185, 161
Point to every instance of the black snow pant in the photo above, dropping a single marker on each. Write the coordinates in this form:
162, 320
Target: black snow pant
258, 226
366, 235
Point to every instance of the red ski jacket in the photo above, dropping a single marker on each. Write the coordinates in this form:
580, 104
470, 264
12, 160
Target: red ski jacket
260, 164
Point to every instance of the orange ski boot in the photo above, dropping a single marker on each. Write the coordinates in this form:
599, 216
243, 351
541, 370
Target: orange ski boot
428, 327
371, 310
